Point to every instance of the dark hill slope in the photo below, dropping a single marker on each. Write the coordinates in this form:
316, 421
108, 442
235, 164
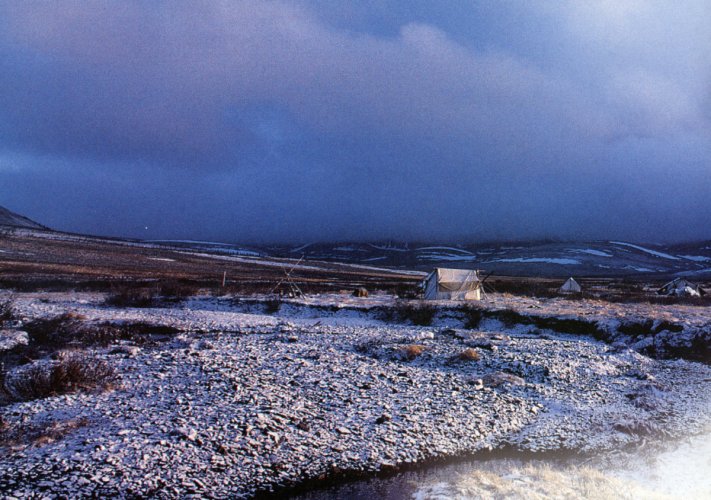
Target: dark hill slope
8, 218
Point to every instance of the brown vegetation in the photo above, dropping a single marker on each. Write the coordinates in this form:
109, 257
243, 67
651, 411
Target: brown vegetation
34, 435
410, 351
469, 354
72, 372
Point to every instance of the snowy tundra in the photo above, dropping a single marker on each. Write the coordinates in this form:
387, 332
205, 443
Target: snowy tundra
253, 397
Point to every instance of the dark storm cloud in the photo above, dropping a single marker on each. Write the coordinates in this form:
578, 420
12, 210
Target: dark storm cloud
311, 120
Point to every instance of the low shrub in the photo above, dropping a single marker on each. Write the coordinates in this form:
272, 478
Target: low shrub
420, 315
635, 329
53, 333
511, 318
573, 326
472, 316
69, 330
469, 354
7, 310
272, 306
174, 290
127, 296
73, 372
410, 351
22, 434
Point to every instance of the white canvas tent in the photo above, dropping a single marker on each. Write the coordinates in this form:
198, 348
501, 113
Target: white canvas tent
570, 286
452, 284
681, 288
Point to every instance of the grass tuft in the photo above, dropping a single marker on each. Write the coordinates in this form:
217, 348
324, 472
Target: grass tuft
469, 354
410, 352
73, 372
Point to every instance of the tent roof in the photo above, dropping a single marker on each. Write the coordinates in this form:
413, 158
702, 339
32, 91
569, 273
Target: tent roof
445, 275
680, 284
570, 285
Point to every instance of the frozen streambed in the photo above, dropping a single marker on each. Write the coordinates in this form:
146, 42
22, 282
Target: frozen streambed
675, 469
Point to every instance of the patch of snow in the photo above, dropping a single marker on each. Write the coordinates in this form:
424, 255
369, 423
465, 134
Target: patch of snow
298, 249
190, 242
261, 262
390, 249
445, 256
452, 249
542, 260
590, 251
696, 258
640, 269
163, 259
646, 250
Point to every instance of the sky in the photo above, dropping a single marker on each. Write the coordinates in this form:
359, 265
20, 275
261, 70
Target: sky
318, 120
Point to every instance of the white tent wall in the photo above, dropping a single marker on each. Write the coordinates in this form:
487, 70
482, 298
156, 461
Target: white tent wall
452, 284
680, 287
570, 286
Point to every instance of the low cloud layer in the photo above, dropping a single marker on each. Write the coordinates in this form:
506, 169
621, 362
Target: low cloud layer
296, 121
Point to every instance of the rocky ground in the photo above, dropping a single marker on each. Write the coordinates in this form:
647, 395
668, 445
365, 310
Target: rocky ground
242, 401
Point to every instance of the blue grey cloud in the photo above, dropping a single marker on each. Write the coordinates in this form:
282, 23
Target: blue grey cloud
379, 119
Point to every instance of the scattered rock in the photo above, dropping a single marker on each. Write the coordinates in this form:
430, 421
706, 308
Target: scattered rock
128, 350
383, 418
187, 433
496, 379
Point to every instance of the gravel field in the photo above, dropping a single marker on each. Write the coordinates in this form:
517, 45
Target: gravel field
242, 402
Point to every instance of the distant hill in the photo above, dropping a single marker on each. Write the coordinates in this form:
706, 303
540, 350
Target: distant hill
546, 258
532, 258
8, 218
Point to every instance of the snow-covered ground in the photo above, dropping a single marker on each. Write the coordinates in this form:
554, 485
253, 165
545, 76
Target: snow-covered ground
244, 401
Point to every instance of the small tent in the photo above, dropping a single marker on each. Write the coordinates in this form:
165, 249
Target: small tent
570, 286
452, 284
681, 288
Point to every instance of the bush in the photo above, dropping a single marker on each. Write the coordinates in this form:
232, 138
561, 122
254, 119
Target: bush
572, 326
410, 351
420, 315
127, 296
635, 329
469, 354
272, 306
73, 372
53, 333
472, 317
7, 311
173, 290
511, 318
